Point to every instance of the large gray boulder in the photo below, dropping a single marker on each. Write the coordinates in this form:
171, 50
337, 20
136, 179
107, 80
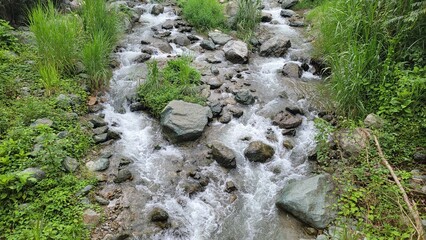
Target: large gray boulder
258, 151
286, 4
275, 47
223, 155
236, 52
219, 38
310, 200
183, 121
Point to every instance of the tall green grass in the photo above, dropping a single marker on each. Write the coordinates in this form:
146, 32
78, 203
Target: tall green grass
97, 17
58, 36
95, 58
247, 18
366, 43
177, 81
203, 14
50, 78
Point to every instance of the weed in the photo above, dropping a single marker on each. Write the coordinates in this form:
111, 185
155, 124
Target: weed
49, 78
247, 18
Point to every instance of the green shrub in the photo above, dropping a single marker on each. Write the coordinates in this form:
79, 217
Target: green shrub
58, 36
204, 14
95, 58
7, 40
247, 18
177, 81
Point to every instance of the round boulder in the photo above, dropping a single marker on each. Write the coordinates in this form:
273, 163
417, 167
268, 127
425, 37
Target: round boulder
258, 151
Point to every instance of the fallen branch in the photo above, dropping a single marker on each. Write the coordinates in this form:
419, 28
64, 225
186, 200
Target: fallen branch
411, 205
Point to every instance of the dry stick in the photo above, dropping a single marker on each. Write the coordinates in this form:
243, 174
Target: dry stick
414, 213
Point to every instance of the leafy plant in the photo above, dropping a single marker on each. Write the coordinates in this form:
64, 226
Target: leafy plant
49, 78
203, 14
7, 40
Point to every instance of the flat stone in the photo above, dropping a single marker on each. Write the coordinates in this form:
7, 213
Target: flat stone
100, 130
99, 165
275, 47
286, 4
219, 38
287, 120
101, 200
287, 13
42, 121
100, 138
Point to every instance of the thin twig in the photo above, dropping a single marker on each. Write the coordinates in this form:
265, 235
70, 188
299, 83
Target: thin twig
413, 211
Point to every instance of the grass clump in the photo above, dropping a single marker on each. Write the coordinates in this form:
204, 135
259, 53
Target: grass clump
58, 37
203, 14
247, 18
177, 81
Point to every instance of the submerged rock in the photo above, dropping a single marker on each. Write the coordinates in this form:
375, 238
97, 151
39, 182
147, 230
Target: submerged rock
310, 200
223, 155
183, 121
275, 47
258, 151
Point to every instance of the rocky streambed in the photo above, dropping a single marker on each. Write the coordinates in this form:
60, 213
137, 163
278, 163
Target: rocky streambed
215, 171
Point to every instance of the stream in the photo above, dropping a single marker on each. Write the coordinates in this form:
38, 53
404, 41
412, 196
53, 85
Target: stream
162, 170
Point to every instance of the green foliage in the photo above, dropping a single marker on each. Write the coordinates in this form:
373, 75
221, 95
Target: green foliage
7, 40
308, 4
203, 14
177, 81
95, 57
368, 44
58, 37
247, 18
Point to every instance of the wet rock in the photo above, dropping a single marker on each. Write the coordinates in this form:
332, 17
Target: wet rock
213, 59
99, 165
292, 70
294, 110
123, 175
208, 44
97, 121
226, 117
193, 38
125, 162
158, 215
258, 151
113, 135
287, 120
192, 187
236, 111
296, 22
84, 191
288, 144
101, 200
352, 141
244, 97
223, 155
157, 9
266, 17
236, 52
182, 121
373, 121
168, 24
100, 138
214, 83
230, 187
148, 50
287, 13
275, 47
310, 200
42, 121
137, 106
100, 130
145, 42
35, 173
70, 164
91, 218
216, 108
420, 156
181, 40
320, 67
219, 38
143, 58
286, 4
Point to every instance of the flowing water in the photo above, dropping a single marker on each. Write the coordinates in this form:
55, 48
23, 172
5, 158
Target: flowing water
250, 212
